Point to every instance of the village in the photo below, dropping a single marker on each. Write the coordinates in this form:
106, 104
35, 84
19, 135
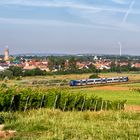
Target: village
49, 63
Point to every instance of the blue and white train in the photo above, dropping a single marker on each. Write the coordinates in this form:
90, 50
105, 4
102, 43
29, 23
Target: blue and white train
98, 81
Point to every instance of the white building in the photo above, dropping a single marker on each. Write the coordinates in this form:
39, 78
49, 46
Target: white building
1, 68
95, 58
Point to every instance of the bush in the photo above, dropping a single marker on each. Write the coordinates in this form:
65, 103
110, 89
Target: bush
6, 73
3, 85
19, 78
17, 71
1, 119
93, 76
34, 72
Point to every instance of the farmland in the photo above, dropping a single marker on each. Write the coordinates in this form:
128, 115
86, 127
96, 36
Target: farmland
112, 92
132, 97
47, 123
27, 81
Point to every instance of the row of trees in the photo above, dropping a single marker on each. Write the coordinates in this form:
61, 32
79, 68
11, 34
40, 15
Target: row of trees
70, 66
118, 68
64, 65
60, 63
14, 71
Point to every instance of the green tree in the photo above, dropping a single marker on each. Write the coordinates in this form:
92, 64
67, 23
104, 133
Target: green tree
6, 73
94, 76
51, 62
92, 67
17, 71
34, 72
72, 63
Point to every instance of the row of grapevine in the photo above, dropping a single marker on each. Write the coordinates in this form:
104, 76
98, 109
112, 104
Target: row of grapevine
50, 82
137, 90
22, 100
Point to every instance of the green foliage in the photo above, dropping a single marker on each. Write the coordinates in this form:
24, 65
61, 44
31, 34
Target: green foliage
1, 119
94, 76
48, 124
72, 63
6, 73
34, 72
50, 82
17, 71
13, 99
137, 90
3, 85
19, 78
55, 62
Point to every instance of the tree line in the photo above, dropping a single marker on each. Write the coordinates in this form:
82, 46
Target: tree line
14, 71
64, 65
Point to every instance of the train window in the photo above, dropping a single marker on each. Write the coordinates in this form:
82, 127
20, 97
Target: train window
116, 79
126, 78
78, 82
90, 80
109, 79
97, 80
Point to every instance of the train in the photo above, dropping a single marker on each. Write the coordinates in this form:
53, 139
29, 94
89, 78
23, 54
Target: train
98, 81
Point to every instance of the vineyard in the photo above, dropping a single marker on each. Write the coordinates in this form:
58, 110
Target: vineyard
36, 110
16, 99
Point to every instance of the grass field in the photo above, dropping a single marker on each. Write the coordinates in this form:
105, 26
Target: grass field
56, 125
26, 81
48, 124
132, 97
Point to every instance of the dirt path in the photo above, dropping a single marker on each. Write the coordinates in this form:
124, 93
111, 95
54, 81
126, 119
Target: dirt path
110, 88
6, 135
132, 108
113, 88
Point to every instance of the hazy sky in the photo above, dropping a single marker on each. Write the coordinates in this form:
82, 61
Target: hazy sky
70, 26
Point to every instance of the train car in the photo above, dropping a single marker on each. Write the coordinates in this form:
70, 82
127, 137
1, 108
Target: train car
75, 82
98, 81
90, 81
125, 79
104, 80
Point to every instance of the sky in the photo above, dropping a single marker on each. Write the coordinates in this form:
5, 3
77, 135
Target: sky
70, 26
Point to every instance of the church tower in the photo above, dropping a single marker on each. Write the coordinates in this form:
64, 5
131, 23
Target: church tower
6, 54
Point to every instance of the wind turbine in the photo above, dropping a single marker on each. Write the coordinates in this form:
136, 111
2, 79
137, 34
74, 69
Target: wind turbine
120, 45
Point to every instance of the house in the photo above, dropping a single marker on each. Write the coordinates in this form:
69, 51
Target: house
4, 66
102, 66
1, 68
136, 65
29, 66
35, 64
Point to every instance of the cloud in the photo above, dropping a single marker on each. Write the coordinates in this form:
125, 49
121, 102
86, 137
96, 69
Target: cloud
17, 21
128, 11
102, 18
21, 21
120, 1
67, 4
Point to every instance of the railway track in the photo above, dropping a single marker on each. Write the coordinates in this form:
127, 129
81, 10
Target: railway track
101, 85
66, 86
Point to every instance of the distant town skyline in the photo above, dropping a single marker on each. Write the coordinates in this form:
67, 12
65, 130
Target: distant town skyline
70, 26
